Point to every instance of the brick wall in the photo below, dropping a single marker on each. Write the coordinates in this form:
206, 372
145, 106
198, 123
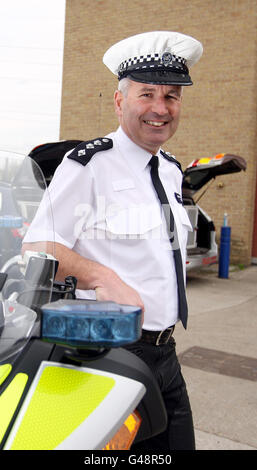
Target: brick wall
219, 111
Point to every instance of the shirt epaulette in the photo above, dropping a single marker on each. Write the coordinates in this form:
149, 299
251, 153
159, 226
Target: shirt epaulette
171, 159
85, 151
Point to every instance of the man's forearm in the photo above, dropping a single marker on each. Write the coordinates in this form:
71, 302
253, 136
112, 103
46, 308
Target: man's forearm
90, 274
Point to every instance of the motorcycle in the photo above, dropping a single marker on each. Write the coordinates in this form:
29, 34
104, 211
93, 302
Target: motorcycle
66, 380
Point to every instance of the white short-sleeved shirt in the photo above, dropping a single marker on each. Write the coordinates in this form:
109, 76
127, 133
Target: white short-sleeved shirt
108, 211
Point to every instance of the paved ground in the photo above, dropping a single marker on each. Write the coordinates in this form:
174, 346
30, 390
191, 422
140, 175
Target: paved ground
218, 353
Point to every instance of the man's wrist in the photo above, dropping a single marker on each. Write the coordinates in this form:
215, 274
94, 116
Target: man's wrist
101, 276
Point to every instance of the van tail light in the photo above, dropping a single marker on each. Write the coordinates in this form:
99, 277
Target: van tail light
20, 232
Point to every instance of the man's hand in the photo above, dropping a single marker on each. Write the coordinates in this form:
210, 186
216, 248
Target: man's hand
118, 291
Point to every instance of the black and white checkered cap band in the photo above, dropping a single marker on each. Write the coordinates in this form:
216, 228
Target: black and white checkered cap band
150, 61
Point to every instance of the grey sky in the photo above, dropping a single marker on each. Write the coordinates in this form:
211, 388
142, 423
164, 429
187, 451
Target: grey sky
31, 56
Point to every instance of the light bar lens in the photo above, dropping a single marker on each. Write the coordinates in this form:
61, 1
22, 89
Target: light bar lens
78, 323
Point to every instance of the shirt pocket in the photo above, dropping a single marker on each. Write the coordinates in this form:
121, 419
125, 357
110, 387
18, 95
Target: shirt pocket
135, 222
183, 218
183, 227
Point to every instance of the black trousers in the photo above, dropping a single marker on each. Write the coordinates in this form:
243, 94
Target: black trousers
163, 361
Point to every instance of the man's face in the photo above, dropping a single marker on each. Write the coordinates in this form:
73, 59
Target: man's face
149, 114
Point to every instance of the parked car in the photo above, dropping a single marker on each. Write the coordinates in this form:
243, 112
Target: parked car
202, 249
20, 196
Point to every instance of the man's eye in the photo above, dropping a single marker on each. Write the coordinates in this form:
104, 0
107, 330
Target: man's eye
173, 97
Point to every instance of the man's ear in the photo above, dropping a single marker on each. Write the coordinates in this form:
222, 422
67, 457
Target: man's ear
118, 102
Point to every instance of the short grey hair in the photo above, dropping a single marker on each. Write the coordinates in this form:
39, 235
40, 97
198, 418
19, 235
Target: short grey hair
123, 86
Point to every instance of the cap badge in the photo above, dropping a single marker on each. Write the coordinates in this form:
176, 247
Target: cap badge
166, 58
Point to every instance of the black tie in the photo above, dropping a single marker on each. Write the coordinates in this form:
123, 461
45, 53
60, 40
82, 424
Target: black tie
171, 226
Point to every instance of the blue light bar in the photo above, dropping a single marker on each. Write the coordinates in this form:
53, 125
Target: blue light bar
84, 323
10, 221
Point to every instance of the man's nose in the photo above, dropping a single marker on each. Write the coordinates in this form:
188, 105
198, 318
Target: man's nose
159, 106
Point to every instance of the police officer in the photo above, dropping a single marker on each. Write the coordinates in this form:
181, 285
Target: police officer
120, 225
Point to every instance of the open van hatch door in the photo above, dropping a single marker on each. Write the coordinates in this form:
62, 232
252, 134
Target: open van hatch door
201, 171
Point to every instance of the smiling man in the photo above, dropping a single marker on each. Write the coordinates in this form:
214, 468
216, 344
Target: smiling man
120, 225
149, 115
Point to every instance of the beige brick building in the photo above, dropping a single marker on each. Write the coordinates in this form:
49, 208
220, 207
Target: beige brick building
219, 111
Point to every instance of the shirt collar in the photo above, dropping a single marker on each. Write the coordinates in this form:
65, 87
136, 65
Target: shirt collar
135, 156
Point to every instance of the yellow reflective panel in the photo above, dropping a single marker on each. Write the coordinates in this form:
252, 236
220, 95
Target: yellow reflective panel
9, 401
62, 400
5, 370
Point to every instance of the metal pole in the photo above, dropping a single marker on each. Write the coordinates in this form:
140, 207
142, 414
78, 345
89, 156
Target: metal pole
224, 255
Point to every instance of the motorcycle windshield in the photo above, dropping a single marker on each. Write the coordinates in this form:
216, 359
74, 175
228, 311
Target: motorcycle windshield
27, 264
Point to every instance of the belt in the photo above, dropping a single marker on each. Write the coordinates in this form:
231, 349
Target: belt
157, 337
